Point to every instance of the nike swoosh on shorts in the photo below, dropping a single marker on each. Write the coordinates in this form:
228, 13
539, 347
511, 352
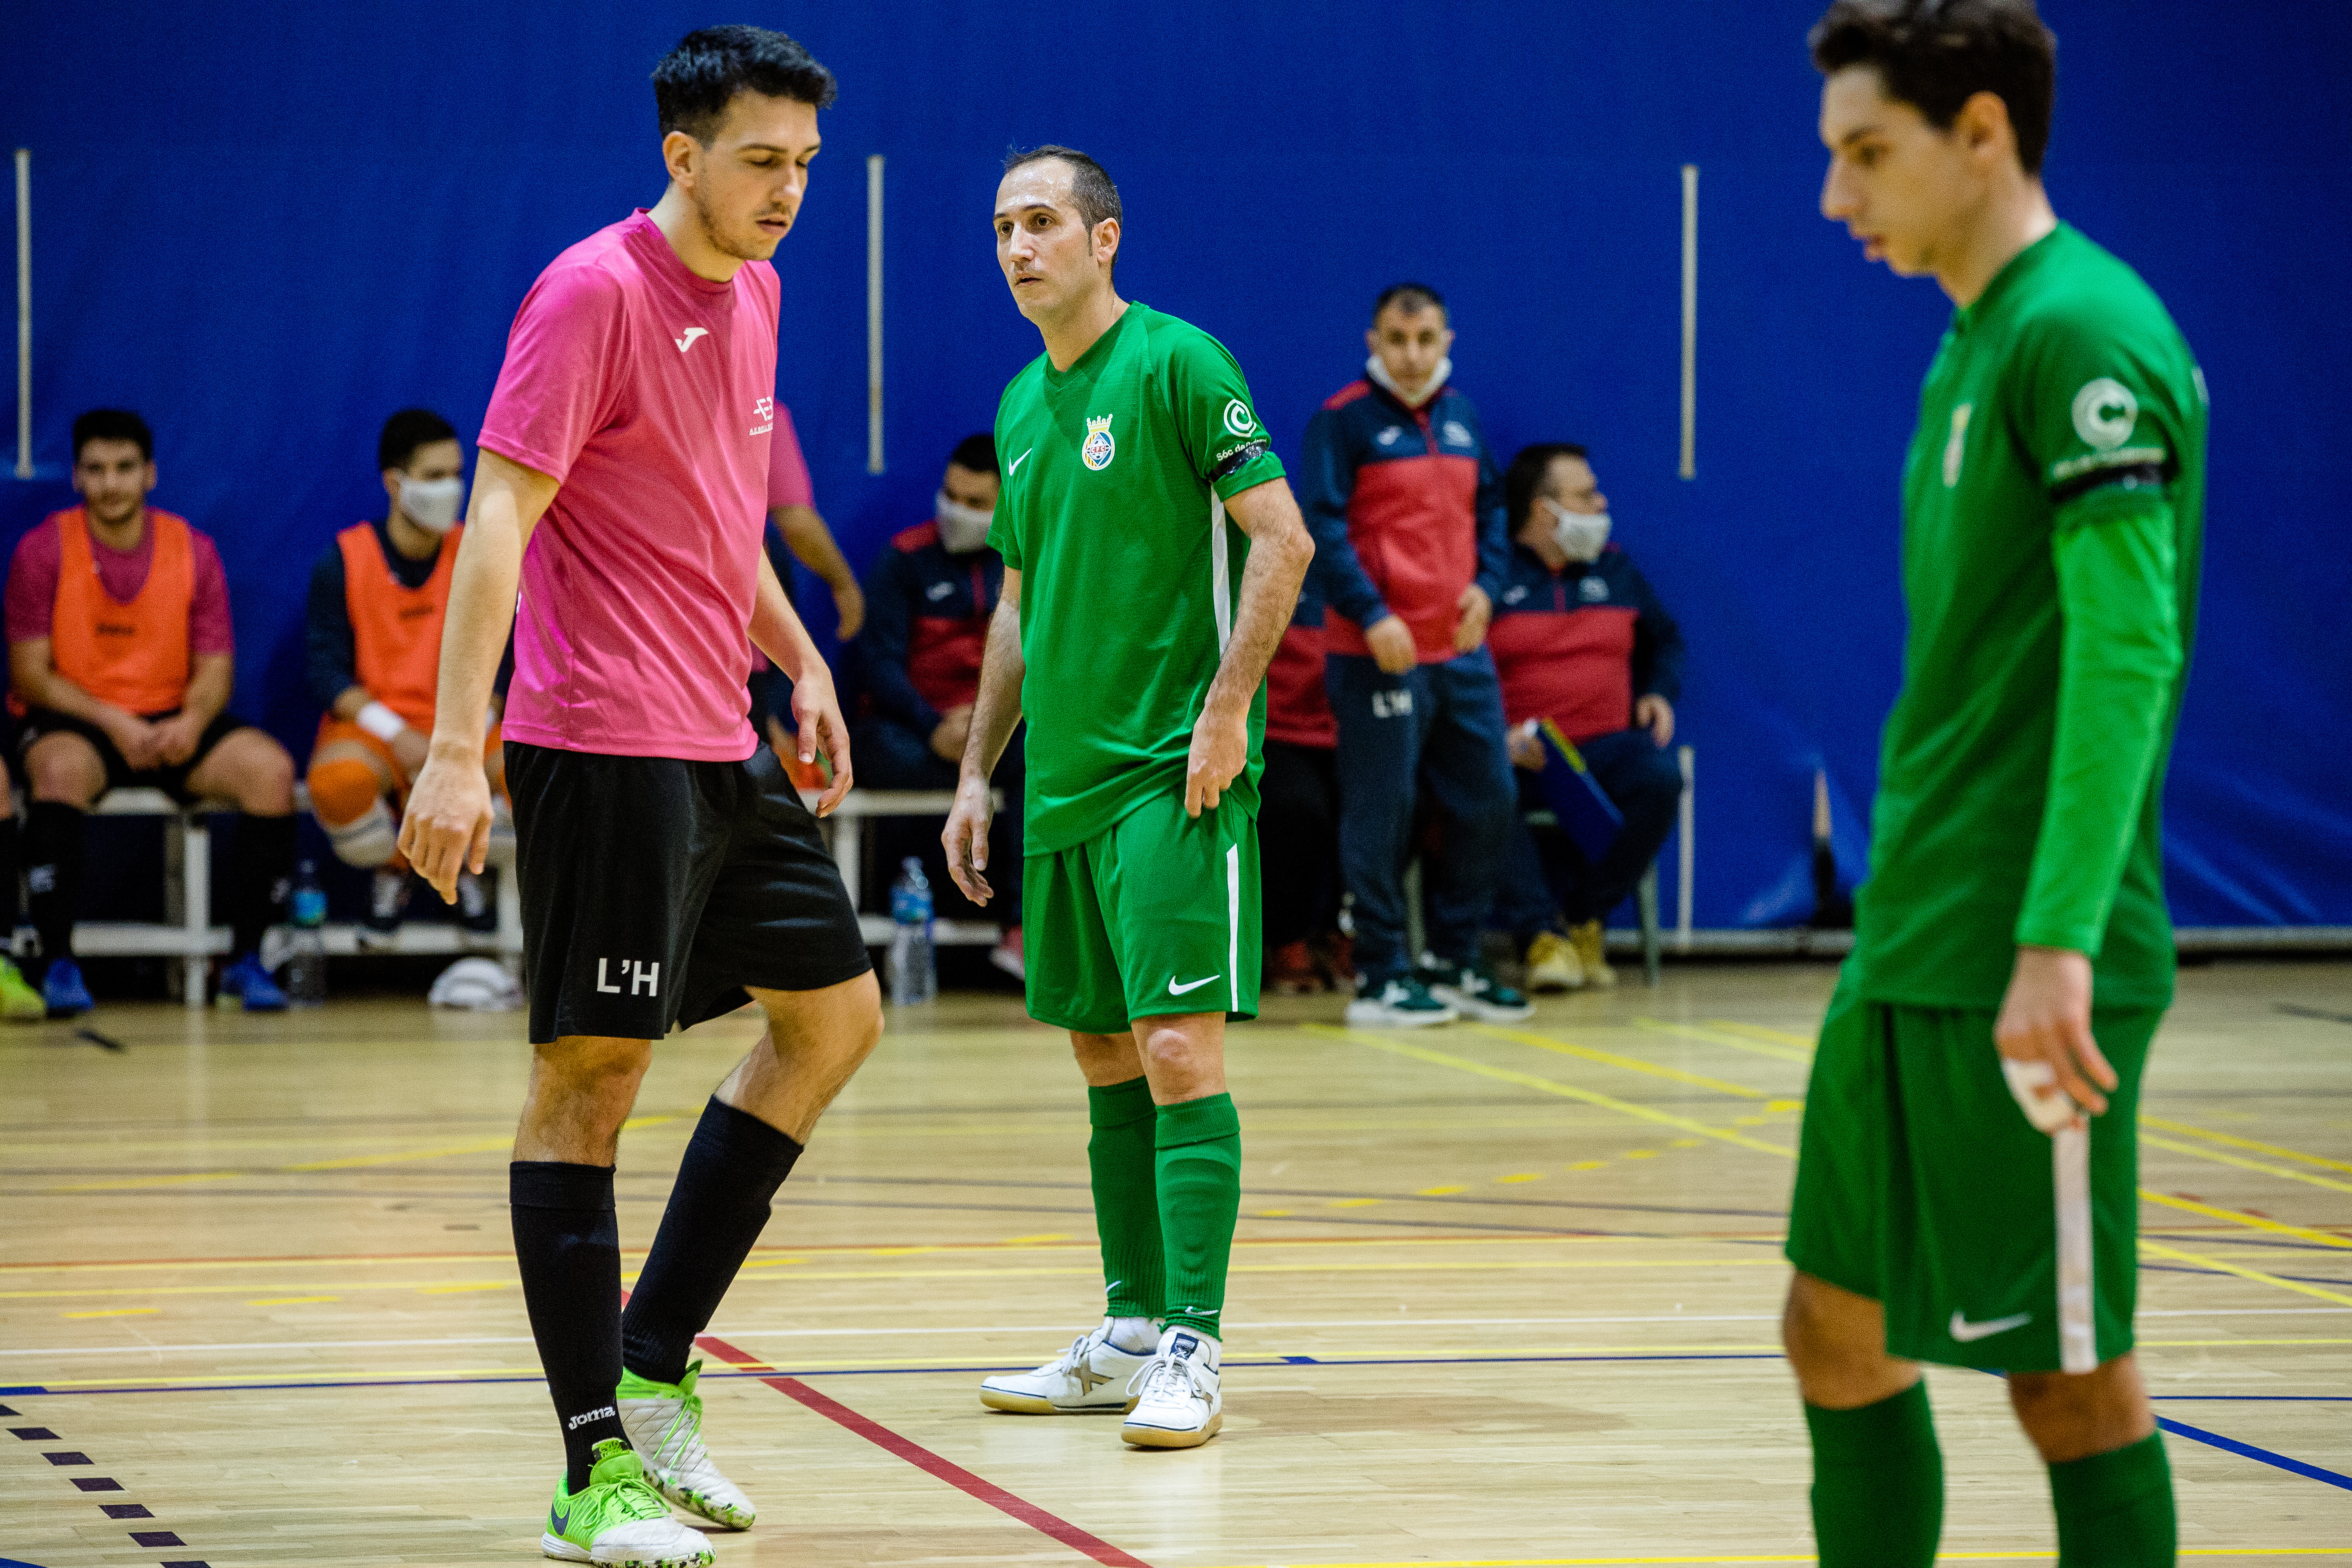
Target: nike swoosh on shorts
1176, 990
1967, 1332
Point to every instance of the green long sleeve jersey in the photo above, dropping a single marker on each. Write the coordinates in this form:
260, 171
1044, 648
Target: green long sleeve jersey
2053, 529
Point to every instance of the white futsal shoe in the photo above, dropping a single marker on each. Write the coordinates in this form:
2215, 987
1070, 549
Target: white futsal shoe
664, 1421
1177, 1405
1090, 1377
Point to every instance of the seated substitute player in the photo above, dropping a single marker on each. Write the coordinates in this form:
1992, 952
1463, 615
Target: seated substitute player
19, 1003
668, 869
121, 655
1299, 814
1578, 633
1411, 545
1153, 553
930, 596
1965, 1187
372, 644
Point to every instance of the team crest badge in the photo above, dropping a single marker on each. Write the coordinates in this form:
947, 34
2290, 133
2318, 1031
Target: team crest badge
1099, 448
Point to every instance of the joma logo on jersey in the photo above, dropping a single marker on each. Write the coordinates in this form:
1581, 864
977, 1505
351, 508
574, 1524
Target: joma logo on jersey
1957, 445
639, 978
1097, 451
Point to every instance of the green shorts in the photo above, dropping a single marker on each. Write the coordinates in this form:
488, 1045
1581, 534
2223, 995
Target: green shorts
1157, 914
1921, 1186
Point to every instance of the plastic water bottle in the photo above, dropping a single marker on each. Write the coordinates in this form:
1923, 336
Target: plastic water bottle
305, 947
913, 975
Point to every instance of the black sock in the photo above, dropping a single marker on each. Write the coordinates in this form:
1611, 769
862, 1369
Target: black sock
12, 907
257, 883
734, 1165
52, 851
568, 1248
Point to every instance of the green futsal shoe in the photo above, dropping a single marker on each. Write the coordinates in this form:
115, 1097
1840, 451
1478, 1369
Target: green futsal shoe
17, 998
619, 1520
665, 1425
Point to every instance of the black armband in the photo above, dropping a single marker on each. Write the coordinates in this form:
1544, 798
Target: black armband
2124, 476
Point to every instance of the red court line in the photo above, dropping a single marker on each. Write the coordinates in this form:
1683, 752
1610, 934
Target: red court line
922, 1458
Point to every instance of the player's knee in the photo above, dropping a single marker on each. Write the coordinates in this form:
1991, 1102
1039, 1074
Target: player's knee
64, 768
342, 791
265, 782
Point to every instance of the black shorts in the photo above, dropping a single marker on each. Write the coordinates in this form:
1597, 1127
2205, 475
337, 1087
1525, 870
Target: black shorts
655, 891
120, 774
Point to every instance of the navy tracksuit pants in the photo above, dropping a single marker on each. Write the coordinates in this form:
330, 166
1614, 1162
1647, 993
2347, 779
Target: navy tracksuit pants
1546, 878
1432, 736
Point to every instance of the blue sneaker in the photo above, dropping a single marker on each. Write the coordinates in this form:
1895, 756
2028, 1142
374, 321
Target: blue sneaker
248, 979
63, 991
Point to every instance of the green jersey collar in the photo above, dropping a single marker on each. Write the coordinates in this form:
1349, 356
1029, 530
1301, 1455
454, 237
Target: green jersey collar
2012, 276
1097, 350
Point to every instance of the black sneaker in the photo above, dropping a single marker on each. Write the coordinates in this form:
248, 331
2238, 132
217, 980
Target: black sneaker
1472, 990
1396, 1002
387, 901
478, 908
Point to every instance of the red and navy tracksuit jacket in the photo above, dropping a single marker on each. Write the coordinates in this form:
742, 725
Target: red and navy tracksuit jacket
926, 627
1407, 510
1298, 704
1578, 645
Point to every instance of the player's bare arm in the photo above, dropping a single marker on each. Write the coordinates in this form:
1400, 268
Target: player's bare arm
448, 825
1280, 550
777, 631
994, 713
212, 676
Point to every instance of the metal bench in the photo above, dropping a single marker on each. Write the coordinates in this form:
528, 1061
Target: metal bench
845, 834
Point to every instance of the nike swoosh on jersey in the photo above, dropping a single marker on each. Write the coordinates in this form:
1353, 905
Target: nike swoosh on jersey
1176, 990
1966, 1333
1018, 462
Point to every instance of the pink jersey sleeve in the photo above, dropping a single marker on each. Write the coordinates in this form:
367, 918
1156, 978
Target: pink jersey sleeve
555, 389
788, 475
210, 628
33, 585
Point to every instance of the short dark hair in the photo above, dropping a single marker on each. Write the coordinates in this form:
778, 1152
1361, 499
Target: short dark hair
407, 430
696, 81
1411, 298
1091, 189
1936, 55
1525, 477
975, 454
113, 425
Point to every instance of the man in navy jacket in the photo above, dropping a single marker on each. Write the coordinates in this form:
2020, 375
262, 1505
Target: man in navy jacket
1580, 639
929, 597
1410, 544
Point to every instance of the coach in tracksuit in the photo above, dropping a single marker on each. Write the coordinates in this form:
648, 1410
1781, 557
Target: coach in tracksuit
1410, 544
929, 597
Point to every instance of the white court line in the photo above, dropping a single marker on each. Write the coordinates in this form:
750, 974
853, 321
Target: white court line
1381, 1323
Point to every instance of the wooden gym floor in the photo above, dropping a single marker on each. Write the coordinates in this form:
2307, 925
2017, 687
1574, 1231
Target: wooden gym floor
1500, 1296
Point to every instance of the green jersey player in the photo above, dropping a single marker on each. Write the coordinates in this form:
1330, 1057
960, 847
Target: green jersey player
1152, 556
1966, 1180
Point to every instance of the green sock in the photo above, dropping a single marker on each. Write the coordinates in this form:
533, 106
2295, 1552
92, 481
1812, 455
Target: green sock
1200, 1178
1127, 1207
2114, 1509
1878, 1483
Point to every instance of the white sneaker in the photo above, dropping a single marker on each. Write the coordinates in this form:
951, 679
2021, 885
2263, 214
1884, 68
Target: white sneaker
664, 1421
1177, 1405
1092, 1375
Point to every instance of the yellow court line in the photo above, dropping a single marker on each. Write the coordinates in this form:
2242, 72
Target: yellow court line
2152, 1141
2235, 1142
129, 1184
1803, 1042
117, 1313
2250, 1221
1549, 1086
289, 1300
1609, 1059
2243, 1272
1714, 1037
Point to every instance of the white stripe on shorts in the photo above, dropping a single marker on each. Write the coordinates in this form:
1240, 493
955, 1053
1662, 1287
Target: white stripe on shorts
2070, 1158
1233, 922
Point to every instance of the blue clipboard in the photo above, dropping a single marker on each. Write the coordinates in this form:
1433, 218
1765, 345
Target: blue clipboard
1586, 814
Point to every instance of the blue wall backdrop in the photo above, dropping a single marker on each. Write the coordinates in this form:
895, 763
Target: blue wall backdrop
268, 227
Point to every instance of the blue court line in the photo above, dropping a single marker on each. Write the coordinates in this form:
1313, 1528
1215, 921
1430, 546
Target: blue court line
2247, 1450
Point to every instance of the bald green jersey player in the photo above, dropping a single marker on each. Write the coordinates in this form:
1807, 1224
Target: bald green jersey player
1152, 556
1966, 1186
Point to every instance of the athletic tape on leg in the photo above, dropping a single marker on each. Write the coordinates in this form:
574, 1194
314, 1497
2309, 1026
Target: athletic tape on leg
368, 842
2031, 1084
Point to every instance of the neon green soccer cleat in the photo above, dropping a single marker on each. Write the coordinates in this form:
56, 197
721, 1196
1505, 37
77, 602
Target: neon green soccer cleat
18, 1000
619, 1520
664, 1423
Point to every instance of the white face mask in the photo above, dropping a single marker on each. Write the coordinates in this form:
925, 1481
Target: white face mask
963, 528
432, 504
1581, 535
1377, 369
